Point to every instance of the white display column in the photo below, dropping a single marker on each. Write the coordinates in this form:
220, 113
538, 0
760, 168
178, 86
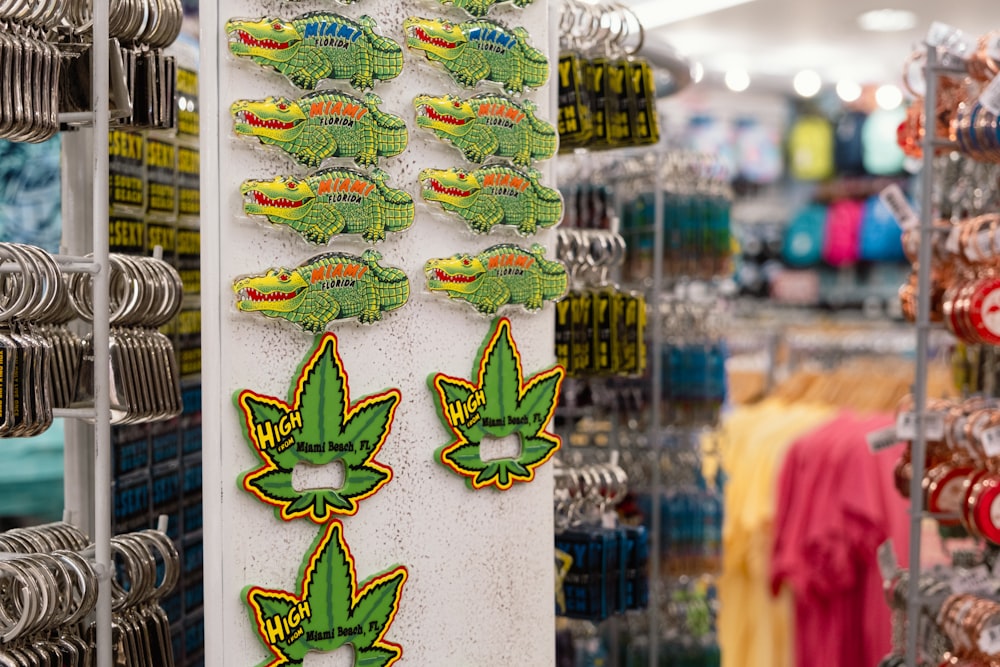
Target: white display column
480, 583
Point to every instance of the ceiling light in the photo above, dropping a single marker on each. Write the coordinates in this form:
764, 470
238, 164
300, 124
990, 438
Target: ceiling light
656, 13
737, 80
807, 83
888, 20
888, 96
697, 72
848, 90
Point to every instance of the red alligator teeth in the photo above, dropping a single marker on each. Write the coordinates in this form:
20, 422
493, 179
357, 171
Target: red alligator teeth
433, 41
442, 118
443, 277
250, 40
264, 200
255, 121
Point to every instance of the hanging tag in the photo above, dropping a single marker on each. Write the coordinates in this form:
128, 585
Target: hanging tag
498, 403
972, 580
330, 202
324, 288
501, 275
990, 97
896, 202
582, 311
989, 640
330, 608
317, 46
906, 426
647, 119
564, 335
622, 109
597, 81
882, 439
319, 426
494, 195
482, 7
603, 331
575, 124
632, 341
481, 50
990, 441
322, 125
488, 125
954, 242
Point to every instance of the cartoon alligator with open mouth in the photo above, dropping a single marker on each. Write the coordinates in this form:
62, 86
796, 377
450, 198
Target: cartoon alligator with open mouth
328, 287
331, 201
321, 125
494, 195
318, 46
503, 274
488, 125
479, 50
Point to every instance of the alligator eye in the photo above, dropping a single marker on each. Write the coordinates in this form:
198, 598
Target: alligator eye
461, 177
292, 185
466, 262
458, 105
447, 26
277, 26
282, 106
283, 277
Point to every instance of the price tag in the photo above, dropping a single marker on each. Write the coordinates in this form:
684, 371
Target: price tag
972, 580
896, 202
989, 640
906, 426
934, 425
953, 245
888, 566
882, 439
991, 441
990, 97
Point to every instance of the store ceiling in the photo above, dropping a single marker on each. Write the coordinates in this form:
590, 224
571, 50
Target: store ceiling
774, 39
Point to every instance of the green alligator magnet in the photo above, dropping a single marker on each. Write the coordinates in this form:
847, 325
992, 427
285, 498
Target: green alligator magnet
482, 7
488, 125
317, 46
494, 195
480, 50
501, 275
322, 125
331, 201
328, 287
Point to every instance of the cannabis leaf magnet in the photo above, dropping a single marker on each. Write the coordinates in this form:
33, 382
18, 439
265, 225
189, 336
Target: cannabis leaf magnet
498, 405
330, 609
318, 426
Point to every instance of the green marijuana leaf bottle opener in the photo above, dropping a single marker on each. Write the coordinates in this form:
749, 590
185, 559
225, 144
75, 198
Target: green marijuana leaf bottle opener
321, 125
330, 609
331, 201
494, 195
488, 125
324, 288
501, 275
318, 426
498, 403
481, 50
317, 46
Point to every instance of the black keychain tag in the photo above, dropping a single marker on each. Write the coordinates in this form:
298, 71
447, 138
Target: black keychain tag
575, 123
647, 120
596, 72
621, 107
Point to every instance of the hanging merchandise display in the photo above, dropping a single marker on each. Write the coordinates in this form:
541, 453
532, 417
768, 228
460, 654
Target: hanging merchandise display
331, 202
499, 405
321, 125
481, 50
494, 195
501, 275
324, 288
488, 125
318, 427
317, 46
607, 96
331, 608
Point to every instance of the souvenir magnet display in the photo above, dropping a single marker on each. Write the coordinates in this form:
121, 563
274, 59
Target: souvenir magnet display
482, 7
328, 287
330, 608
480, 50
494, 195
322, 125
488, 125
331, 201
318, 426
503, 274
317, 46
500, 404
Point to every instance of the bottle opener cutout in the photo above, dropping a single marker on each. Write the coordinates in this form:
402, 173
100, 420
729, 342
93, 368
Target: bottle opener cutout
482, 7
331, 201
330, 609
488, 125
501, 275
318, 426
328, 287
322, 125
500, 404
480, 50
317, 46
494, 195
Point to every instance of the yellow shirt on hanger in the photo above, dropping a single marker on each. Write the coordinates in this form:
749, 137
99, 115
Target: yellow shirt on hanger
755, 628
